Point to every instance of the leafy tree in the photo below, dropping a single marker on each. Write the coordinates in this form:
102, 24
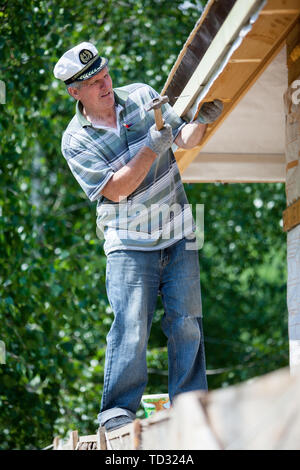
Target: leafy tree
53, 307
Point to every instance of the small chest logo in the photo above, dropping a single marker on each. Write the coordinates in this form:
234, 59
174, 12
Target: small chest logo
85, 56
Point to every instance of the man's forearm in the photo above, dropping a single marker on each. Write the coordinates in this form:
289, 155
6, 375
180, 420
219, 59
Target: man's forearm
130, 176
190, 135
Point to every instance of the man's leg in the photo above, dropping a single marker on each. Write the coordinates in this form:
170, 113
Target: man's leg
132, 283
182, 322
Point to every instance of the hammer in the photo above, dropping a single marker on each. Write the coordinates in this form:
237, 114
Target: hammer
156, 105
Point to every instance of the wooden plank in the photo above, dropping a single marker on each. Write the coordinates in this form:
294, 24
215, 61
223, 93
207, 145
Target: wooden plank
268, 38
136, 434
285, 6
89, 438
71, 442
120, 439
243, 61
263, 36
74, 439
236, 168
86, 446
55, 443
190, 428
281, 11
128, 437
293, 53
101, 440
260, 414
127, 429
155, 431
291, 216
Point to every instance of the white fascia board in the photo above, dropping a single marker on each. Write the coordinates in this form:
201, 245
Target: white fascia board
218, 49
236, 168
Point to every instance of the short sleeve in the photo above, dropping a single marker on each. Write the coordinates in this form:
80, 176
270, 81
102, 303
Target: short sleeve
89, 168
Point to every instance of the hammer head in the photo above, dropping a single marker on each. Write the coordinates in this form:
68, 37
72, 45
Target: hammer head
156, 103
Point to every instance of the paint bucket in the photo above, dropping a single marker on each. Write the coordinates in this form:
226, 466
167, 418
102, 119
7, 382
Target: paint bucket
154, 403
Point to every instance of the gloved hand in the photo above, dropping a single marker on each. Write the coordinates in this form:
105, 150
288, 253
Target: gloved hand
209, 112
159, 141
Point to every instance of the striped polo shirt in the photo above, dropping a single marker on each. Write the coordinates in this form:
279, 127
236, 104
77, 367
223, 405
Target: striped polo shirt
157, 213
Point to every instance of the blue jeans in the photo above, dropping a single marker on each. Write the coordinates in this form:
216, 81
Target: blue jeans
134, 279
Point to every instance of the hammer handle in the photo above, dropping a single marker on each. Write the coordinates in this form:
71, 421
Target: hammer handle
158, 119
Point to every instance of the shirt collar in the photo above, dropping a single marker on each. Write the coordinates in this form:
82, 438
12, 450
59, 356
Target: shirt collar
120, 98
82, 120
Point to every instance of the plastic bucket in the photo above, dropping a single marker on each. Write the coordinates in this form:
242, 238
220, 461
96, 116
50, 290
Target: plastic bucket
154, 403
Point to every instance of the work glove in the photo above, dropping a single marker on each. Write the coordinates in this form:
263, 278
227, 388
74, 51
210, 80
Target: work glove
209, 112
159, 141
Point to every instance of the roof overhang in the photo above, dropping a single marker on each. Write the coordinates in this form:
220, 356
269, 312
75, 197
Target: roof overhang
243, 39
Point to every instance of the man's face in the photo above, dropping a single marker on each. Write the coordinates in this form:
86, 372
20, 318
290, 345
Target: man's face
96, 91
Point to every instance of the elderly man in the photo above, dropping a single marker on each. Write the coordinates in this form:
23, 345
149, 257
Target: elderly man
123, 162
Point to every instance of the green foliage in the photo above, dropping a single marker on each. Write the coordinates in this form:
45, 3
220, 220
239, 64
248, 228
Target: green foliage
243, 274
53, 307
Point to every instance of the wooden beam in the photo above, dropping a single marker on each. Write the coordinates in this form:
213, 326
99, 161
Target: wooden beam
55, 443
73, 439
89, 438
236, 168
259, 414
291, 216
281, 6
127, 429
101, 439
244, 61
281, 11
293, 53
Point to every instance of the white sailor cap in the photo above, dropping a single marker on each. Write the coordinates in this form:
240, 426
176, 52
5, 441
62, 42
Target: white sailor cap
79, 63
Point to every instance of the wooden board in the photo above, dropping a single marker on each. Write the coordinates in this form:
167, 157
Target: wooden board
262, 413
293, 53
291, 216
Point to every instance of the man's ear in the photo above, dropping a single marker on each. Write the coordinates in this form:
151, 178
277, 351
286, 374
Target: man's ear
73, 92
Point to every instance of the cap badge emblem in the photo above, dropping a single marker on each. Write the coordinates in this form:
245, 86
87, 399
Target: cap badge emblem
85, 56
